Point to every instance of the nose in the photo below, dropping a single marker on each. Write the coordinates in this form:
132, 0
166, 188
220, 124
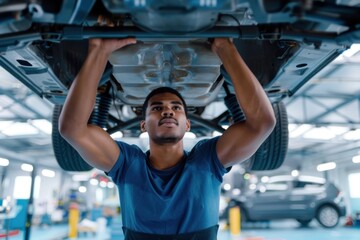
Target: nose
167, 112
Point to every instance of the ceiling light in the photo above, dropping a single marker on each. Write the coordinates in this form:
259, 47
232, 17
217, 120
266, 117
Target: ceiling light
117, 135
80, 178
227, 186
326, 166
18, 129
42, 124
27, 167
356, 159
292, 126
94, 182
300, 130
352, 135
190, 135
103, 184
4, 162
321, 133
355, 48
144, 135
264, 179
5, 124
82, 189
294, 173
338, 130
110, 185
48, 173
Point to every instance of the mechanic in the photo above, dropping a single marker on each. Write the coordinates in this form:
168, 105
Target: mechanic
166, 192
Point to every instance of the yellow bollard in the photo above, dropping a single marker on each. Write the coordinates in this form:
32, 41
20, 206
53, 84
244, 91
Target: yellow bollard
73, 220
234, 219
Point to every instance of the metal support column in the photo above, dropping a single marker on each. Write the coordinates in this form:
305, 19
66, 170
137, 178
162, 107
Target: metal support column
30, 208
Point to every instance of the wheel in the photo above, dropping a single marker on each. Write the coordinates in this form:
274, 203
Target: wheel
328, 216
66, 156
271, 154
304, 223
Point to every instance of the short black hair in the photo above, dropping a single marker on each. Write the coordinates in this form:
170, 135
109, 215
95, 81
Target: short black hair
159, 91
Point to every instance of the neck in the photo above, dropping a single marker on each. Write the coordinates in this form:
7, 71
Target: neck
165, 156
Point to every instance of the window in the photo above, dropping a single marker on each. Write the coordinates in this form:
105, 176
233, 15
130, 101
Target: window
354, 179
276, 186
22, 187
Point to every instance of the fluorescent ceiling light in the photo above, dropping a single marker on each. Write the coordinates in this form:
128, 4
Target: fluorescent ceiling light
4, 162
352, 135
5, 124
18, 129
27, 167
42, 124
321, 133
326, 166
80, 178
356, 159
300, 130
144, 135
117, 135
190, 135
355, 48
292, 126
48, 173
338, 130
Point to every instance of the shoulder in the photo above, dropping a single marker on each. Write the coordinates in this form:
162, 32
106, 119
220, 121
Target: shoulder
205, 148
129, 154
206, 144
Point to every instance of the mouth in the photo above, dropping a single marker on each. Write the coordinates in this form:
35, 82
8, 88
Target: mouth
168, 122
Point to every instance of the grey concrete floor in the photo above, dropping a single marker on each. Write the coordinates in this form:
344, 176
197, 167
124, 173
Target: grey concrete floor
276, 230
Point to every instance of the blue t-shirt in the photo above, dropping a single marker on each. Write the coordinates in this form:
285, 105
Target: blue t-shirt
182, 199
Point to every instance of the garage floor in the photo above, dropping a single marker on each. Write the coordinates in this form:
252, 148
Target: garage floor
282, 230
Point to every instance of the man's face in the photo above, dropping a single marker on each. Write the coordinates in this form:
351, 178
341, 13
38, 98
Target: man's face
165, 119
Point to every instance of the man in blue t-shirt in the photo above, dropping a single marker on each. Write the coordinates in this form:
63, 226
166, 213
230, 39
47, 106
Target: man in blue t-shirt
166, 193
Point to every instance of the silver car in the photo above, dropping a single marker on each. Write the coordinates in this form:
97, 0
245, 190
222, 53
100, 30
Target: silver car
285, 197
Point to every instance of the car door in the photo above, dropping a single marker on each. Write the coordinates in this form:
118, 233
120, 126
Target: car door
269, 202
303, 197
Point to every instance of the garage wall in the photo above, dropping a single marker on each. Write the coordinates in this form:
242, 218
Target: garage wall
48, 193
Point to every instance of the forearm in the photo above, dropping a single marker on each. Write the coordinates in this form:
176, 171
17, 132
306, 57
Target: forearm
82, 94
249, 92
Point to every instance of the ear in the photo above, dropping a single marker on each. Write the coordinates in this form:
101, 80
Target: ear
188, 125
142, 126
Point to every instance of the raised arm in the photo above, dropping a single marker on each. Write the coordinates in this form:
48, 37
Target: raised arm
241, 140
93, 143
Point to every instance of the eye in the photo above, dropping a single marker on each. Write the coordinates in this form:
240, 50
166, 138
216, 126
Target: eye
177, 108
156, 108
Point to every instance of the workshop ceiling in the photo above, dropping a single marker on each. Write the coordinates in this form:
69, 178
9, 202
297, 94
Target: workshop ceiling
323, 115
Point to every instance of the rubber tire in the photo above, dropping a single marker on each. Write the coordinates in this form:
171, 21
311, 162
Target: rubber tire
66, 156
271, 154
324, 213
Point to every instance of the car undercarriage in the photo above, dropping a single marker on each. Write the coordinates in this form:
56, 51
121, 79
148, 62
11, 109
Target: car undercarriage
284, 43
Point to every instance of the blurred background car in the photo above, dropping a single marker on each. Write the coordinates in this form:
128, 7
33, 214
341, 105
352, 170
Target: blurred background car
303, 198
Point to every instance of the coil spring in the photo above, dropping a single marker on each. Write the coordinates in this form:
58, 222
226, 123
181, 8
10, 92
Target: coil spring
234, 108
100, 113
